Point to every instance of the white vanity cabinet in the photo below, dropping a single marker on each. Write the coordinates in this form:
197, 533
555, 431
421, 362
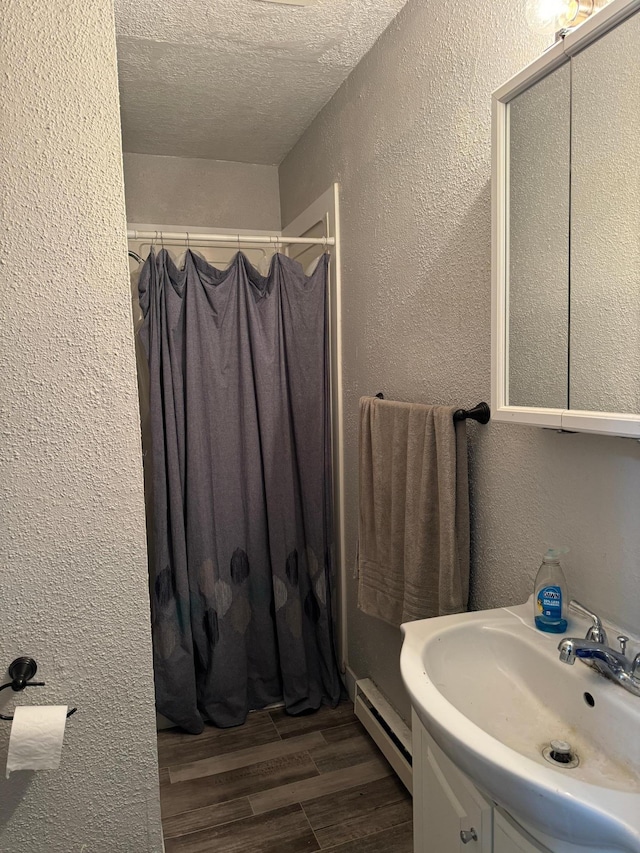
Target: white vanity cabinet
445, 802
509, 838
450, 815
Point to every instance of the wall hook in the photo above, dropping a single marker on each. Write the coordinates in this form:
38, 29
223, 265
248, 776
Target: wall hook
21, 672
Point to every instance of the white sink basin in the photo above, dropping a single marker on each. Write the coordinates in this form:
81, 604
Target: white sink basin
492, 692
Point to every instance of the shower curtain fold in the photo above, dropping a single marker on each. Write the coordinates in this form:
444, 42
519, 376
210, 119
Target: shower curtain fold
239, 467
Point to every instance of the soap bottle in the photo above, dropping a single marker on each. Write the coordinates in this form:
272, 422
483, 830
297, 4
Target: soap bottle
549, 594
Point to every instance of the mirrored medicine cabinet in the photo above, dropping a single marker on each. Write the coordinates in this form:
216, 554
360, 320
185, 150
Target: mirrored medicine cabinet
566, 233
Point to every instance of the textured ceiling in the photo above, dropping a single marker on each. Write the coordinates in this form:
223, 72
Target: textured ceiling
239, 80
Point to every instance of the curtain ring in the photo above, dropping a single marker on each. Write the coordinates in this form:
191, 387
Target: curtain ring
188, 243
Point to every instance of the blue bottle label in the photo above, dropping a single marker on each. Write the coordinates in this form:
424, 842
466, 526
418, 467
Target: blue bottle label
550, 602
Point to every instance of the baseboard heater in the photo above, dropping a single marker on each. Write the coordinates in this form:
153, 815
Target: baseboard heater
391, 734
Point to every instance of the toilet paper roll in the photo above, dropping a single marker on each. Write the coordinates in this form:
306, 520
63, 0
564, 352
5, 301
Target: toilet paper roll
36, 738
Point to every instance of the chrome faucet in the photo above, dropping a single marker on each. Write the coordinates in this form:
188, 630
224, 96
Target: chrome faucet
595, 652
596, 632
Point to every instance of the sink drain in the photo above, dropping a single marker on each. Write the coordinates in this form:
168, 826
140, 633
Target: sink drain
559, 753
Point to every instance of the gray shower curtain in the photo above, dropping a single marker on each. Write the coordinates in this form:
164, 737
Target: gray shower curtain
240, 477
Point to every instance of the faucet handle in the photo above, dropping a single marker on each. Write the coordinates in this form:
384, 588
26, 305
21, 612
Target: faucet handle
596, 632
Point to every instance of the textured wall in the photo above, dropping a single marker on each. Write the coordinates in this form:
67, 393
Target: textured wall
72, 541
215, 193
408, 137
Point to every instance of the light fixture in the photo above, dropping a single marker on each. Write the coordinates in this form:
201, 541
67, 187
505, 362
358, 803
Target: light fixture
552, 16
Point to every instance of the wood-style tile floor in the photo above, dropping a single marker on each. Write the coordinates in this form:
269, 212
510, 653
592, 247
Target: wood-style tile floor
282, 784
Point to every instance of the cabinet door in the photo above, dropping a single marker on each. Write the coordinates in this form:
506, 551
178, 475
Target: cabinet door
509, 838
447, 807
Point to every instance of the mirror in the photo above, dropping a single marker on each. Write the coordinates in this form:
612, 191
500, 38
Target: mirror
538, 243
605, 223
566, 186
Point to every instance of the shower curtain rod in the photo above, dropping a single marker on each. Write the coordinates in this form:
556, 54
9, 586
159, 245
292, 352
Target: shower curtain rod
198, 238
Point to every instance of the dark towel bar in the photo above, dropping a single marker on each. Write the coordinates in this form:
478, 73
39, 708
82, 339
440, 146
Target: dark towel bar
480, 413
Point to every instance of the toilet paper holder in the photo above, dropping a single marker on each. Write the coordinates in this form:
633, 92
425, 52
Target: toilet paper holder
21, 672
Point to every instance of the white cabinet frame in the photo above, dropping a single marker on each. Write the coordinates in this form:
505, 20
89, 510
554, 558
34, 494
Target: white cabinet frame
606, 423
